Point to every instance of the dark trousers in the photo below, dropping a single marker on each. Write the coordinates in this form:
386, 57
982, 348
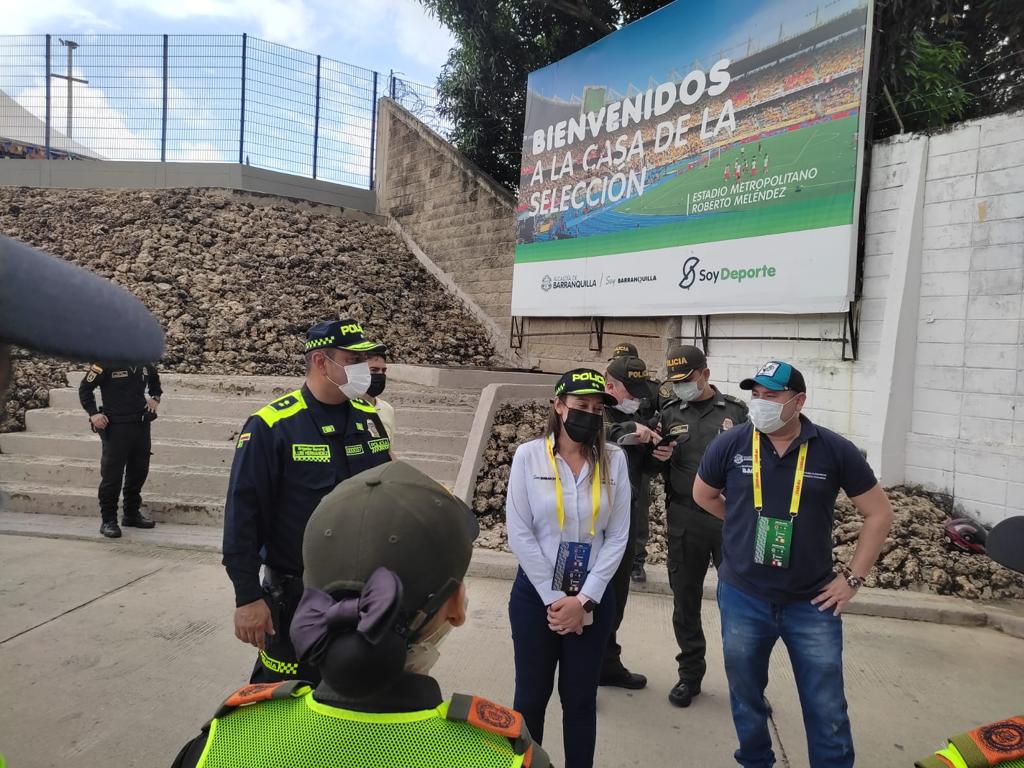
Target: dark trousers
278, 661
642, 518
125, 461
538, 651
620, 583
689, 554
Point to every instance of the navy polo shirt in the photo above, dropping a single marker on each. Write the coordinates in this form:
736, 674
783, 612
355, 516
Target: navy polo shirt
833, 463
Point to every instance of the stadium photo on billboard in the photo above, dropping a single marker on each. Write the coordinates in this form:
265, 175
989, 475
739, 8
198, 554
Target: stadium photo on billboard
697, 162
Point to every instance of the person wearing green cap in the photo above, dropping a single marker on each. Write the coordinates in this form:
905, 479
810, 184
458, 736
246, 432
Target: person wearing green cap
567, 515
386, 553
289, 455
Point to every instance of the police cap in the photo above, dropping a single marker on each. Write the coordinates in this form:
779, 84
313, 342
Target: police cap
338, 334
632, 372
583, 381
624, 349
682, 360
53, 306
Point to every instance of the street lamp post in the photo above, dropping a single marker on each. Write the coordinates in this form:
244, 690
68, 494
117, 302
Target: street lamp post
70, 45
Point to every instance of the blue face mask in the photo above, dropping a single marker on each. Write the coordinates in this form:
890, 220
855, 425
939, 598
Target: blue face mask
687, 390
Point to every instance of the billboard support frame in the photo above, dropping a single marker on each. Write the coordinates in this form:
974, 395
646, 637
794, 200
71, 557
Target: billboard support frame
850, 337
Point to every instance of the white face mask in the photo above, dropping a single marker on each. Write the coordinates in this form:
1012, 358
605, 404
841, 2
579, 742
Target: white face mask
766, 415
357, 379
422, 655
687, 390
628, 406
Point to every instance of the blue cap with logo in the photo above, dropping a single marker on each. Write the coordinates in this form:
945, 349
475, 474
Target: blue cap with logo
777, 376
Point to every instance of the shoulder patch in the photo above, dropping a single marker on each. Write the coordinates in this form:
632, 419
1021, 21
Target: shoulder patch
257, 692
737, 401
282, 408
96, 368
503, 721
666, 389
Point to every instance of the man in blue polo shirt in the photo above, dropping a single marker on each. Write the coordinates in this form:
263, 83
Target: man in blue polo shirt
780, 475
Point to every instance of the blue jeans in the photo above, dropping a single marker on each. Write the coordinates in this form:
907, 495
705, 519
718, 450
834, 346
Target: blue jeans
814, 639
538, 651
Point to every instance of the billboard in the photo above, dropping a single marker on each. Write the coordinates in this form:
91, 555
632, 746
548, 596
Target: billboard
697, 163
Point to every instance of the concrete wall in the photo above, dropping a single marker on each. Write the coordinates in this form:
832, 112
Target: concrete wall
65, 174
463, 222
937, 393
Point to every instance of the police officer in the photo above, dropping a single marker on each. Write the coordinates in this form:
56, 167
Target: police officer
629, 424
386, 553
693, 414
641, 531
123, 424
52, 306
289, 455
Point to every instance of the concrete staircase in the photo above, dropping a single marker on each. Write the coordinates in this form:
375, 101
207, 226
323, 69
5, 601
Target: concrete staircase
53, 467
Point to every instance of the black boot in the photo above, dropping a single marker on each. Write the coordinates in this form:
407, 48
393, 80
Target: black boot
138, 520
617, 676
638, 575
110, 529
683, 693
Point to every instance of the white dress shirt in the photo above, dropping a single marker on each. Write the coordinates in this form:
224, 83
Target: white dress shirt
531, 517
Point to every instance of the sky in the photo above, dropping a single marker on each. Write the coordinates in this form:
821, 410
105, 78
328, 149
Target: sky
375, 34
675, 36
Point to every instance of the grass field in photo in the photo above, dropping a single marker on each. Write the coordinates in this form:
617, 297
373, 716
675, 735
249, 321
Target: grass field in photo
826, 201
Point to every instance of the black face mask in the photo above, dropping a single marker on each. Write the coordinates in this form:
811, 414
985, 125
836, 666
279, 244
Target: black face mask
377, 383
583, 426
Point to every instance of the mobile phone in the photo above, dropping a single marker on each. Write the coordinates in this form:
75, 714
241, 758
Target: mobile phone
666, 440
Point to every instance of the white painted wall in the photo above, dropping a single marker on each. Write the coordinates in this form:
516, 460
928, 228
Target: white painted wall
942, 322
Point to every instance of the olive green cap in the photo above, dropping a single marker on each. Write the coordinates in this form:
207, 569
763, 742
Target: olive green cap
392, 516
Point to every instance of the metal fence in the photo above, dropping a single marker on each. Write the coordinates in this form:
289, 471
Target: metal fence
196, 98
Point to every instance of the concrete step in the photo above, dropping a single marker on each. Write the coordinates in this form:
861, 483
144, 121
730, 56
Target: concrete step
200, 453
55, 421
168, 479
61, 471
416, 413
79, 501
266, 388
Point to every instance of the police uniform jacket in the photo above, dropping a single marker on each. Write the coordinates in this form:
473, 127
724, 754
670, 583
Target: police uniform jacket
289, 455
618, 425
123, 390
693, 428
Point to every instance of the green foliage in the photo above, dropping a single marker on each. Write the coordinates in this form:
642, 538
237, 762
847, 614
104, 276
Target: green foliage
940, 60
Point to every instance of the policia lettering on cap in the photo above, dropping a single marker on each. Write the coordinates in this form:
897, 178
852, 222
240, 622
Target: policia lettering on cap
289, 455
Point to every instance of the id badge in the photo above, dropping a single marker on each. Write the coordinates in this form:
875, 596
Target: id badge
772, 542
571, 567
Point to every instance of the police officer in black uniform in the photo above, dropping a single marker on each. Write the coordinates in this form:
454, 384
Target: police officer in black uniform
693, 413
289, 455
630, 424
123, 424
641, 495
52, 306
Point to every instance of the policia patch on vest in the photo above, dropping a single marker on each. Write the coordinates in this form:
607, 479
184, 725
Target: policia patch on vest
303, 452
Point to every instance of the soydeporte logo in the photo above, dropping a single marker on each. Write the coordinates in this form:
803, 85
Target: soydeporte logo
691, 274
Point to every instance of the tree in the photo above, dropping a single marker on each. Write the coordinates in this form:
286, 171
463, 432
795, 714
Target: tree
936, 62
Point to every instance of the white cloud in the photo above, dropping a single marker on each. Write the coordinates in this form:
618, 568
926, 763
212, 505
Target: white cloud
66, 14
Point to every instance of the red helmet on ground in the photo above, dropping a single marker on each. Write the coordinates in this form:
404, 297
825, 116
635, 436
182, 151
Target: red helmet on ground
966, 535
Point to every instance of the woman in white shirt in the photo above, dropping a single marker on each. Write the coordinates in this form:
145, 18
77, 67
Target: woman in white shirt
567, 514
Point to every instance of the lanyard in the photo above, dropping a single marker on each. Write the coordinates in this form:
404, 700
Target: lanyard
798, 480
595, 490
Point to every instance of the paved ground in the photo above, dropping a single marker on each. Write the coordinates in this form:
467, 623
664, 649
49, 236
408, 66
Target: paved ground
112, 654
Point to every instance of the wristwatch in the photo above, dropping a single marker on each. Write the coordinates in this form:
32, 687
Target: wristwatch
856, 582
588, 604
